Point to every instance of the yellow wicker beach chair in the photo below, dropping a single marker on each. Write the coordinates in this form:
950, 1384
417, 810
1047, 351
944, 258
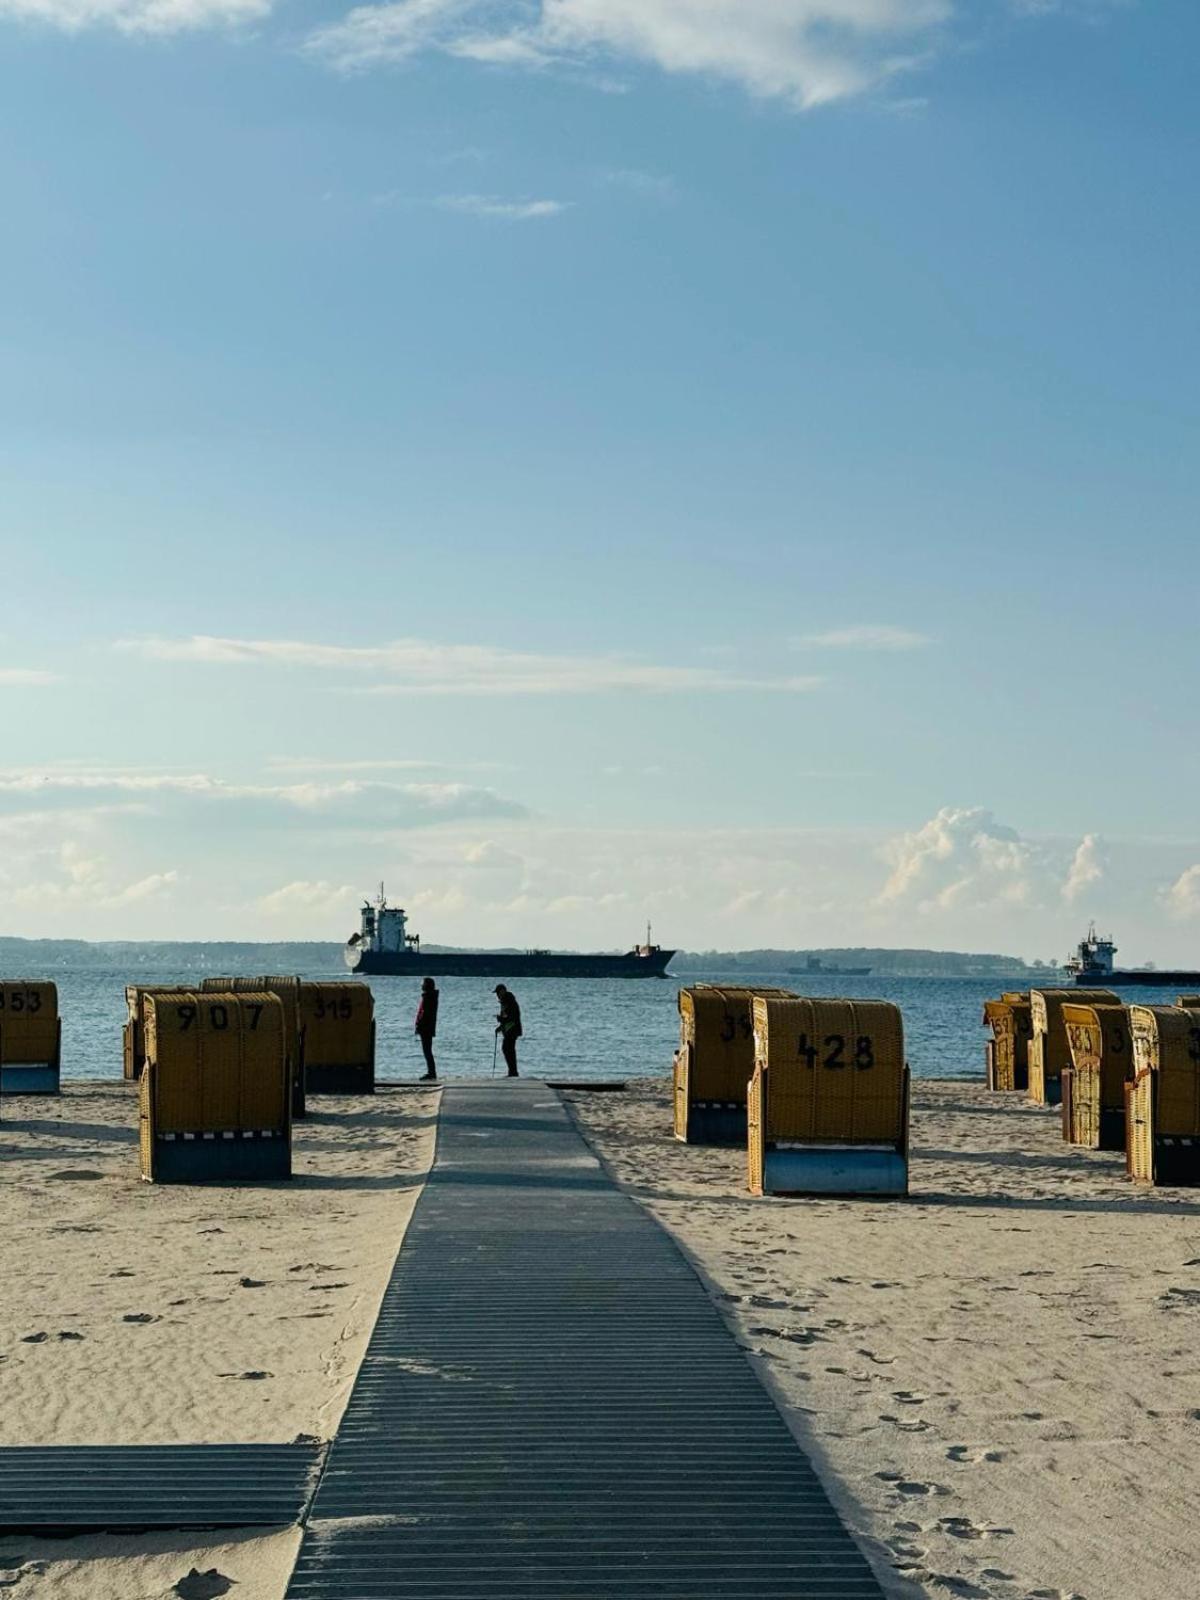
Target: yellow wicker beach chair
30, 1037
213, 1096
337, 1021
827, 1108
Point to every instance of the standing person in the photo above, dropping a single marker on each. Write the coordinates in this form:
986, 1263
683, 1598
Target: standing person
508, 1026
426, 1026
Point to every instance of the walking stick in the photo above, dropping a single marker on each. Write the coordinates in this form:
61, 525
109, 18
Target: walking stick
495, 1048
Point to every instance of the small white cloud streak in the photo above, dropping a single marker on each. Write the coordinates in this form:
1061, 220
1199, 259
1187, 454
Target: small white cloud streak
26, 678
350, 804
307, 896
148, 17
864, 636
493, 207
421, 667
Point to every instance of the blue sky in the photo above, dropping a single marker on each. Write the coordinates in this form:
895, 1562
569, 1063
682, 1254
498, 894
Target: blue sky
582, 460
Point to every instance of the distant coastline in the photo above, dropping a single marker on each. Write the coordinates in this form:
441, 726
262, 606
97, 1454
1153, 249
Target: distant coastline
45, 955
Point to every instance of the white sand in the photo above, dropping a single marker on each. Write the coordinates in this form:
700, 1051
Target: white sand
998, 1378
133, 1313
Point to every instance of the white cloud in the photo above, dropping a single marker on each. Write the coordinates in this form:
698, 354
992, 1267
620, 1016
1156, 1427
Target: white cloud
960, 859
69, 877
807, 52
420, 667
136, 16
491, 206
348, 804
1087, 867
864, 636
1183, 896
303, 897
25, 678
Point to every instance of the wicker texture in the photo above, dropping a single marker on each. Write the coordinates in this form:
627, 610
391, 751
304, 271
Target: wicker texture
716, 1041
28, 1022
1049, 1051
1010, 1019
836, 1069
337, 1020
1101, 1064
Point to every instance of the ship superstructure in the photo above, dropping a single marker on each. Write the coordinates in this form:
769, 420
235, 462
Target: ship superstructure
384, 945
1093, 966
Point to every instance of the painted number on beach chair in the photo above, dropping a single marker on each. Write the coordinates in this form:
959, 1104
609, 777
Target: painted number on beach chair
20, 1000
340, 1009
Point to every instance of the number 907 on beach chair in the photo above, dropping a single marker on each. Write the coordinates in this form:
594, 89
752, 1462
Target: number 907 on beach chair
827, 1107
214, 1101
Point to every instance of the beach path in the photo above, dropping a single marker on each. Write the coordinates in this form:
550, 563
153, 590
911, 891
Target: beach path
552, 1405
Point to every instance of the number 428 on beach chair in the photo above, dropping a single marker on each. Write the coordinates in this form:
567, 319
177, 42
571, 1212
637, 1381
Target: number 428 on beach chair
827, 1106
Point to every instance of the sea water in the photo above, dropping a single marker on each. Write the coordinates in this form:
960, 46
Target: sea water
574, 1027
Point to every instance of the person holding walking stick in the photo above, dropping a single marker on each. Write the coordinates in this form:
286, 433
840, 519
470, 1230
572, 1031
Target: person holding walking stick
425, 1027
508, 1027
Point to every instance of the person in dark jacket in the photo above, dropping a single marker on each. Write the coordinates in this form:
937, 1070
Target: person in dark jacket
426, 1026
508, 1026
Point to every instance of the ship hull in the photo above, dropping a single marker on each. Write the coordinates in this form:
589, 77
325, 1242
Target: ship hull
504, 964
1140, 980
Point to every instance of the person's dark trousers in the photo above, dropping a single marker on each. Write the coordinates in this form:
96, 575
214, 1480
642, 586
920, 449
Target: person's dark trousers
427, 1051
508, 1049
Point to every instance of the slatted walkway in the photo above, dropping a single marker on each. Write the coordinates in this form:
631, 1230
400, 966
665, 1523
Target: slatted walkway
123, 1488
551, 1408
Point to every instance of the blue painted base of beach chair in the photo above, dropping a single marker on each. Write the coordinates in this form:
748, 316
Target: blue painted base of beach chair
834, 1169
222, 1158
1054, 1091
29, 1077
1112, 1130
340, 1079
716, 1122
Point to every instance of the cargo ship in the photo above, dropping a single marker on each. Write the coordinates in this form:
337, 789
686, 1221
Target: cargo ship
1092, 967
814, 967
384, 946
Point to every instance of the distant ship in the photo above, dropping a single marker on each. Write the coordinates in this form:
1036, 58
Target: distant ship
815, 967
384, 945
1092, 967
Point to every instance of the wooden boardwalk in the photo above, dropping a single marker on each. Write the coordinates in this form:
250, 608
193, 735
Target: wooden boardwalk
552, 1408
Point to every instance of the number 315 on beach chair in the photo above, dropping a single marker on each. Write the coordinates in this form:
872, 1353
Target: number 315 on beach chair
827, 1106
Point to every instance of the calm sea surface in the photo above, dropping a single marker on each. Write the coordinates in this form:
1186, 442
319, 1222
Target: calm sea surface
576, 1028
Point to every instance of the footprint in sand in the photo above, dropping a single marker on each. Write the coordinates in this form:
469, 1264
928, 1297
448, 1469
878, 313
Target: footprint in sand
959, 1586
965, 1456
909, 1397
915, 1488
122, 1272
76, 1175
964, 1528
68, 1335
253, 1377
913, 1425
34, 1338
141, 1317
210, 1585
880, 1361
252, 1283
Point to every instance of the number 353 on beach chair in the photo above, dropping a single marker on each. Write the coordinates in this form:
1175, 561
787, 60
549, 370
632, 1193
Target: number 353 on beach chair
827, 1107
30, 1038
214, 1101
714, 1062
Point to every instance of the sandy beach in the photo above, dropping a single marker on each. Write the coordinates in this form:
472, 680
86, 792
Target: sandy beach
156, 1314
998, 1377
